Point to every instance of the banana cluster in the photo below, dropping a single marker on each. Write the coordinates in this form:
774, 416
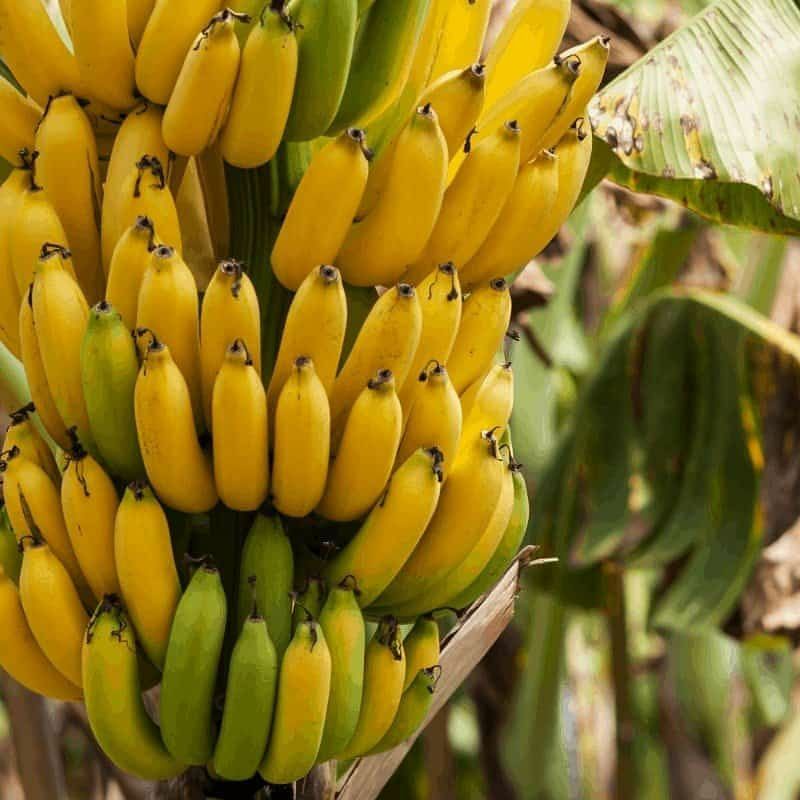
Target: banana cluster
434, 176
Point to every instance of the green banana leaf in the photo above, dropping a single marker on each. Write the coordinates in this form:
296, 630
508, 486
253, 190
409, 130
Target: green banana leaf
709, 117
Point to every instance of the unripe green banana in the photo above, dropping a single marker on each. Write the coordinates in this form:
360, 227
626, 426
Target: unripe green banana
422, 648
190, 669
309, 600
303, 690
267, 555
10, 555
249, 702
113, 697
109, 367
343, 625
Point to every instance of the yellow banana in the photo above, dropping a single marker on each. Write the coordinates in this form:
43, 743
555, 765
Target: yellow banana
166, 40
434, 417
440, 300
468, 501
299, 719
422, 648
99, 31
484, 321
113, 696
34, 372
89, 502
388, 339
507, 247
393, 528
139, 12
260, 107
11, 193
168, 305
230, 312
146, 568
384, 673
302, 441
34, 52
139, 135
462, 35
23, 435
128, 264
20, 655
594, 57
365, 455
19, 116
53, 609
457, 98
322, 208
241, 445
527, 41
378, 248
60, 315
491, 404
178, 469
472, 202
69, 171
315, 327
199, 102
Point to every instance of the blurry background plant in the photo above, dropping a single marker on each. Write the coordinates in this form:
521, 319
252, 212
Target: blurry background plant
658, 418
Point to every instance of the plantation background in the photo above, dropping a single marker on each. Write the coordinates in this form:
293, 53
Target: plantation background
657, 416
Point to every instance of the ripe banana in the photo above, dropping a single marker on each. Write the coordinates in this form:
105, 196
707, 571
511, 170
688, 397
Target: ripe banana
392, 235
322, 208
249, 702
384, 673
309, 600
190, 669
139, 12
382, 61
34, 52
527, 41
230, 311
20, 655
467, 503
366, 453
484, 321
267, 556
22, 434
388, 339
60, 315
315, 326
260, 108
440, 301
507, 247
178, 469
109, 367
146, 569
19, 116
11, 193
393, 528
100, 37
69, 171
472, 202
299, 719
89, 502
434, 417
241, 444
489, 405
325, 38
343, 625
165, 43
10, 555
462, 35
113, 696
302, 441
199, 102
422, 648
168, 306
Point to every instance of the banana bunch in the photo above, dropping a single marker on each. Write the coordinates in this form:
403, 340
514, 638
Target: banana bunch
367, 456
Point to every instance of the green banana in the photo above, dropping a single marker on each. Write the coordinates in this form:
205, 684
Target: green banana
343, 625
10, 555
309, 600
326, 31
190, 669
113, 696
422, 648
267, 554
303, 689
249, 701
382, 61
414, 706
109, 367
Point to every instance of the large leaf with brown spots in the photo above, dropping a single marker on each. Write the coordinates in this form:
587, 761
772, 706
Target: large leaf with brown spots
711, 116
